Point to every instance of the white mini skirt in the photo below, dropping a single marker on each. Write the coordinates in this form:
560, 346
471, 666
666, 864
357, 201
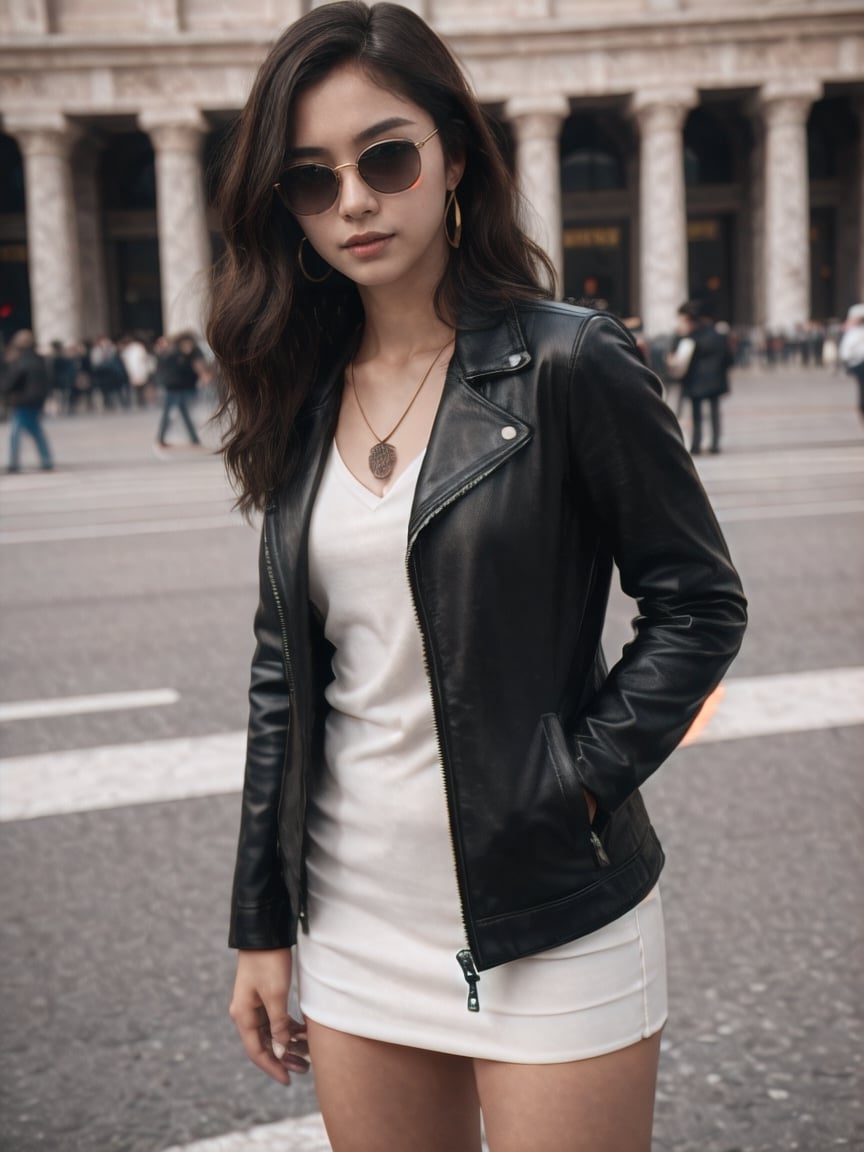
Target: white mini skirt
595, 995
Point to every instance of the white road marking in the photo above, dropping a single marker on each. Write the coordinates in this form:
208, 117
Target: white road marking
792, 702
789, 511
79, 705
125, 528
301, 1134
54, 783
828, 461
230, 520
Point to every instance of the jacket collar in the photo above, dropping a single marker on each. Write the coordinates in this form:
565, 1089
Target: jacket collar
492, 347
472, 435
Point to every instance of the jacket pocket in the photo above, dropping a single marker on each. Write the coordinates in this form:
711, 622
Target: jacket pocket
572, 792
536, 847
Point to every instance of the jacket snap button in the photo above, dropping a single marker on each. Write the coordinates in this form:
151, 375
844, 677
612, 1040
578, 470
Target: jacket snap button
508, 432
514, 360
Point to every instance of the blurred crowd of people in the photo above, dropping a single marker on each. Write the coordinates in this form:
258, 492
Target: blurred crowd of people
102, 374
815, 343
132, 372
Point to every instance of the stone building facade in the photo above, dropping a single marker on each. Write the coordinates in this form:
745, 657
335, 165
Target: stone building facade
666, 147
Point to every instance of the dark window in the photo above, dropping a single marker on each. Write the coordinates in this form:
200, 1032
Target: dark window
11, 177
708, 152
832, 131
592, 158
128, 173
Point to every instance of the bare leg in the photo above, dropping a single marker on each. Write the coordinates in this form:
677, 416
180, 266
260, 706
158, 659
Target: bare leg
375, 1096
605, 1104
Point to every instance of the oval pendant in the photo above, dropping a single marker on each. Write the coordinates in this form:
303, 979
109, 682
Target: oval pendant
382, 458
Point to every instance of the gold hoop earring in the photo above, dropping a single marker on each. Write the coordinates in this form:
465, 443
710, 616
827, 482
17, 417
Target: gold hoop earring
455, 239
311, 279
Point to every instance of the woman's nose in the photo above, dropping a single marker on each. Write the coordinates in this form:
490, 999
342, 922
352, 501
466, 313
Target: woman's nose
355, 195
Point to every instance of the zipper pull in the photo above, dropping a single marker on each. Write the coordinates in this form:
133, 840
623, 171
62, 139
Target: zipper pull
599, 851
466, 963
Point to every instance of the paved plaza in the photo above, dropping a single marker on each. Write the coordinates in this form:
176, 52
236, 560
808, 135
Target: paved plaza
127, 588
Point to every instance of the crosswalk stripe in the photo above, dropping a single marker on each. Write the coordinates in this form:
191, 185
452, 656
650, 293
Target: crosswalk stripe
789, 511
89, 779
79, 705
790, 702
299, 1134
54, 783
122, 528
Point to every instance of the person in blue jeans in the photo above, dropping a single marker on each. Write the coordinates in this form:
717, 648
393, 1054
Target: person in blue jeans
25, 384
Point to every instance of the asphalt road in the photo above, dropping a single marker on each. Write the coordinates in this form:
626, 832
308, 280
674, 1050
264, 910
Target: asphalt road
123, 572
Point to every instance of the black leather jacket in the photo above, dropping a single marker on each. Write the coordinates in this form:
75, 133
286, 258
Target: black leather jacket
552, 454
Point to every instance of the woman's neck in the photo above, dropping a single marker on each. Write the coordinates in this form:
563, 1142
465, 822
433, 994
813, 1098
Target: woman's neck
398, 327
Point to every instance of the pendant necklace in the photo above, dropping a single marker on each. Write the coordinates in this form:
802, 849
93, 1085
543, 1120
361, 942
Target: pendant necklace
382, 455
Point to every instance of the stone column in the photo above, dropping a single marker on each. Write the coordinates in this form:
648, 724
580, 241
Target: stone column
785, 107
660, 114
45, 141
537, 122
29, 17
184, 243
756, 199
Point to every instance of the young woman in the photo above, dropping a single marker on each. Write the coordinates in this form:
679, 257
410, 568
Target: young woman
442, 777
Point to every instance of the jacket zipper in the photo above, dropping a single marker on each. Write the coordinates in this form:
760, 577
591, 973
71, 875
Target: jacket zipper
289, 674
464, 957
469, 971
599, 851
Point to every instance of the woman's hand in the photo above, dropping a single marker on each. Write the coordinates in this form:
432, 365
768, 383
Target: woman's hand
592, 805
274, 1041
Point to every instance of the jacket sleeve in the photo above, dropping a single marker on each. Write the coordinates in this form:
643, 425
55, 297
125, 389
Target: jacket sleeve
655, 518
11, 376
261, 915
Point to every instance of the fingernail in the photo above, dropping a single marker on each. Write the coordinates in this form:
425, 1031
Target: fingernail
278, 1049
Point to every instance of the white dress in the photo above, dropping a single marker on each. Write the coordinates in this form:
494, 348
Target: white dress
385, 925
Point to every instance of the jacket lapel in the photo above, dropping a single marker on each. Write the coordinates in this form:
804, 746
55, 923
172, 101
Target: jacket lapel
471, 436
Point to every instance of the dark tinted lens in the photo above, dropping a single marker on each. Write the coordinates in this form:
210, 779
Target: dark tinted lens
309, 188
391, 166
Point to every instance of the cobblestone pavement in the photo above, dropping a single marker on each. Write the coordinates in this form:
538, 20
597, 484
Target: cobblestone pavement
127, 573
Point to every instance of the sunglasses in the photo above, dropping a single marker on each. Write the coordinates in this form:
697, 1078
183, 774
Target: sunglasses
389, 166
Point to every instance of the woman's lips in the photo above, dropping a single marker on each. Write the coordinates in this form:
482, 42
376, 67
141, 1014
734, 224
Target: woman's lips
368, 244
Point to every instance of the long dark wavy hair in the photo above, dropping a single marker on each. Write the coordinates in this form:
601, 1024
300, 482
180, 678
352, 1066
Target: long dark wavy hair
272, 331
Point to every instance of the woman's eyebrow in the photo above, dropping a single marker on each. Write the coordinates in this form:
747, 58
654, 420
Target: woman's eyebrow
369, 133
382, 126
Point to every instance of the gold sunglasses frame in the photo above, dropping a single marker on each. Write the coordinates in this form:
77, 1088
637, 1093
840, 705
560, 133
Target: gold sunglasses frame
418, 144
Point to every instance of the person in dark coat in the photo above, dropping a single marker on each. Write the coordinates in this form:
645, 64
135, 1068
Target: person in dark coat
178, 371
26, 383
701, 362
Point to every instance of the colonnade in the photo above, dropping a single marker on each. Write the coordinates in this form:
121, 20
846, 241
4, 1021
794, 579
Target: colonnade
65, 283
